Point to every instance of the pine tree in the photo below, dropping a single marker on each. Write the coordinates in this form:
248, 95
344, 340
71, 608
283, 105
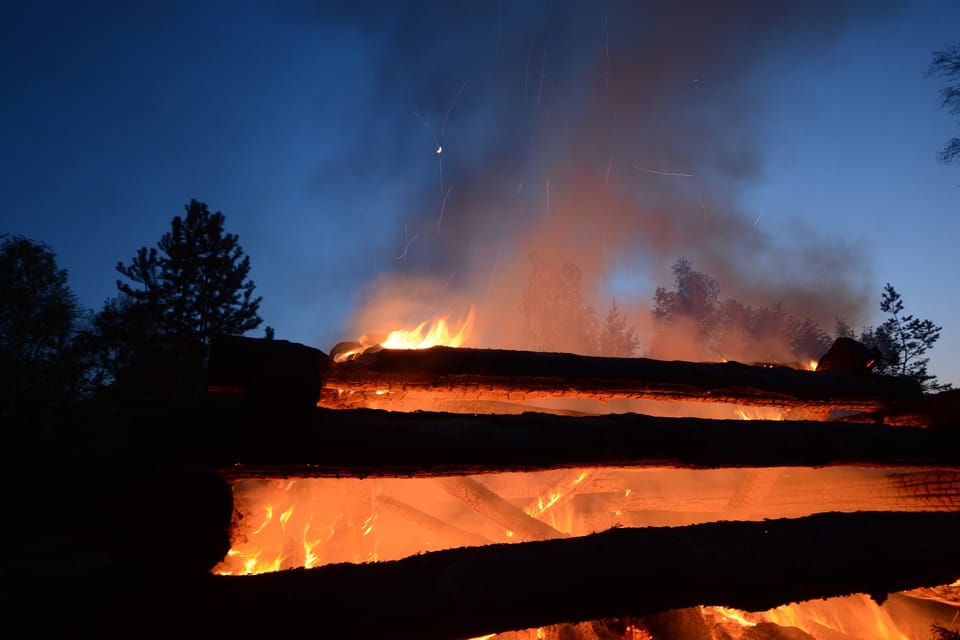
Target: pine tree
616, 339
192, 286
904, 340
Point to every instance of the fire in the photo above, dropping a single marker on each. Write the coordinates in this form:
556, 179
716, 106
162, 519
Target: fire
438, 332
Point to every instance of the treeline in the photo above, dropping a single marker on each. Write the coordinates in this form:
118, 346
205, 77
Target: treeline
148, 343
692, 318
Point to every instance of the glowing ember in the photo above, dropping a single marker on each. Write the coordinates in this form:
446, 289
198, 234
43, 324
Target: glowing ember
430, 334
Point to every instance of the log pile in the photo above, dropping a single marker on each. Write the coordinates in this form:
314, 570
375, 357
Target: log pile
551, 577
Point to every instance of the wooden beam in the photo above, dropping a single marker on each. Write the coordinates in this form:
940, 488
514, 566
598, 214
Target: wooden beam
462, 593
462, 374
364, 442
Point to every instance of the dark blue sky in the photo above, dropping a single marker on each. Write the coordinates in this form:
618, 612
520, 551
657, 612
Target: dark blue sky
788, 149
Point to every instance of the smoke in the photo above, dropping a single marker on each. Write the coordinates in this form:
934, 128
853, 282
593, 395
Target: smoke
613, 136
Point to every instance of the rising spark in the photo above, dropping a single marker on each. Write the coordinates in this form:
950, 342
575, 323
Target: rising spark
443, 129
403, 254
443, 206
548, 197
543, 66
606, 176
664, 173
436, 142
526, 71
757, 221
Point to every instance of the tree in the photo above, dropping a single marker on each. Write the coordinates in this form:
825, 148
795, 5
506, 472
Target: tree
946, 64
695, 295
39, 316
554, 314
616, 339
192, 286
903, 340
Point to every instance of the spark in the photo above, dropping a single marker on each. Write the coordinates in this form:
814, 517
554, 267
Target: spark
443, 128
526, 71
704, 207
449, 278
403, 254
443, 205
429, 128
606, 176
606, 52
543, 67
436, 141
757, 221
548, 197
664, 173
493, 272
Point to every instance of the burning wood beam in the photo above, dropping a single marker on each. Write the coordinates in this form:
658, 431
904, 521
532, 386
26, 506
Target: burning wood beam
487, 503
363, 443
429, 523
801, 492
516, 376
468, 592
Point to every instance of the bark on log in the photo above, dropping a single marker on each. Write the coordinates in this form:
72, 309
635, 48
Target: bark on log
367, 442
463, 593
514, 376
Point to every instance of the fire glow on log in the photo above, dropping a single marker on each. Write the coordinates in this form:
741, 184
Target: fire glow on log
417, 498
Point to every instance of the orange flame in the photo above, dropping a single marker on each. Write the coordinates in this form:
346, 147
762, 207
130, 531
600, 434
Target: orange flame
430, 334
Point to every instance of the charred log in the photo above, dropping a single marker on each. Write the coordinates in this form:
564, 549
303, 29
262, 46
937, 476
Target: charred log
515, 376
365, 443
274, 374
463, 593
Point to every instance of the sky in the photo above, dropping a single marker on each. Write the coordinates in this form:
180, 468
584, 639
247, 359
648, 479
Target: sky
386, 161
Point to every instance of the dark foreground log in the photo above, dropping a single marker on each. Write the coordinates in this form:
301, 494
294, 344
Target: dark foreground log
463, 593
367, 442
503, 375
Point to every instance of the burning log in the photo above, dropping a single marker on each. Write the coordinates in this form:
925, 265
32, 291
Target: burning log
430, 523
502, 375
462, 593
364, 443
487, 503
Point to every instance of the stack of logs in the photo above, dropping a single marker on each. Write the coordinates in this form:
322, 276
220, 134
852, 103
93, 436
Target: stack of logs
268, 424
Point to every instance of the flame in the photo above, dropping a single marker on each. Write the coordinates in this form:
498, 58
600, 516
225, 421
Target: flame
431, 334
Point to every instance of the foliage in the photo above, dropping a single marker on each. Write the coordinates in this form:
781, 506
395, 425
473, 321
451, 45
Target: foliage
39, 316
555, 317
903, 341
694, 312
695, 295
946, 64
192, 286
616, 338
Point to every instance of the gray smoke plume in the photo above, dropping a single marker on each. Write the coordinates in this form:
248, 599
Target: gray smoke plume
613, 136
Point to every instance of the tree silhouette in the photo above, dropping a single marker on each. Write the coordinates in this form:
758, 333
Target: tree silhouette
554, 315
39, 316
903, 341
946, 64
192, 286
616, 338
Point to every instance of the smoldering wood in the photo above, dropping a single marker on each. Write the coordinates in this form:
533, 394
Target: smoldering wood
516, 376
366, 442
804, 493
487, 503
429, 523
462, 593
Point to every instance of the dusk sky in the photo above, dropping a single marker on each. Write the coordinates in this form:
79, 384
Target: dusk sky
786, 148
